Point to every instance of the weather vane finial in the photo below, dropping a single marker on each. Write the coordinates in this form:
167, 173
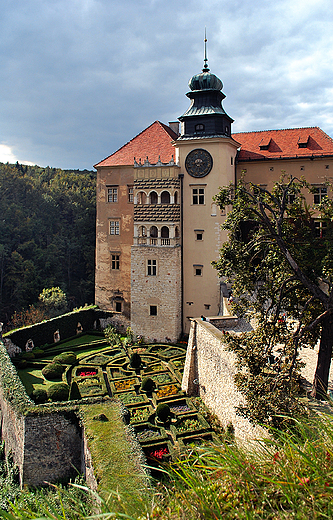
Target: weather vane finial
205, 67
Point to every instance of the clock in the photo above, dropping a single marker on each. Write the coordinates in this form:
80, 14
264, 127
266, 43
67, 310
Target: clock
198, 163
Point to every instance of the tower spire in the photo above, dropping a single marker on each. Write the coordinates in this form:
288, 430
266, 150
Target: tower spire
205, 67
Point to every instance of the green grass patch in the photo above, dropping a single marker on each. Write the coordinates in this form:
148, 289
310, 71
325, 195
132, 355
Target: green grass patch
116, 460
33, 379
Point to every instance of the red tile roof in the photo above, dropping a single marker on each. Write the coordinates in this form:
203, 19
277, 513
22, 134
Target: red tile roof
153, 142
273, 144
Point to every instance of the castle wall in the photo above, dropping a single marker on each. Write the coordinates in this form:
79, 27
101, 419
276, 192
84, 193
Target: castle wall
209, 372
162, 290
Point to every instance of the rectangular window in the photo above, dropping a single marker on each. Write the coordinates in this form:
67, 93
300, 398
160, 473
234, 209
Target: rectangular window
198, 196
112, 194
118, 306
320, 228
319, 194
151, 267
115, 264
153, 310
114, 227
130, 194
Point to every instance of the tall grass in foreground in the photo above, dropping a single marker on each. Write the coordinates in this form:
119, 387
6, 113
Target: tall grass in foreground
289, 476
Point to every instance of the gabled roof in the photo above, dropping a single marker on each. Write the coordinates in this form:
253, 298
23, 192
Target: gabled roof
153, 142
276, 144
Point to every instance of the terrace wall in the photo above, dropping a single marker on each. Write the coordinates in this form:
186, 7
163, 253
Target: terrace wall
209, 372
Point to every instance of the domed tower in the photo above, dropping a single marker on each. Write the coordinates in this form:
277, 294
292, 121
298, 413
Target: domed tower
206, 115
205, 152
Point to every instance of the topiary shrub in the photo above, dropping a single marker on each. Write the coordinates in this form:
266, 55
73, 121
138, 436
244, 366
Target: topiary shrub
163, 412
75, 392
58, 392
66, 358
147, 384
39, 396
28, 355
23, 363
135, 360
53, 371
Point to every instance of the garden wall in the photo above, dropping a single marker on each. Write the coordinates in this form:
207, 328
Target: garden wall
209, 372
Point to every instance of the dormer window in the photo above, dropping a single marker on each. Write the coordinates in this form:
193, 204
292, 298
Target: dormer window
303, 142
199, 128
265, 142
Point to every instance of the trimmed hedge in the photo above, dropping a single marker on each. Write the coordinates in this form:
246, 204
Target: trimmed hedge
53, 371
163, 412
42, 333
13, 389
147, 384
58, 392
39, 396
66, 358
135, 360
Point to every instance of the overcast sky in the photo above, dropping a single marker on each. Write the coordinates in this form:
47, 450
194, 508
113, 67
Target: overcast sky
79, 78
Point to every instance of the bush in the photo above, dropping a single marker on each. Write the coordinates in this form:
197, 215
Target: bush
53, 371
75, 392
23, 363
39, 396
28, 355
163, 412
38, 352
135, 360
147, 384
66, 358
58, 392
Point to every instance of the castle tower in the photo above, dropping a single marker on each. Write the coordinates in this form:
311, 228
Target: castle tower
156, 252
206, 153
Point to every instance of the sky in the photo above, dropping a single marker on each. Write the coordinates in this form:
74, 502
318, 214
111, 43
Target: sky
80, 78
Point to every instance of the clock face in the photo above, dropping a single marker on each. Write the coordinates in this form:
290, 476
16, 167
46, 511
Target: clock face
198, 163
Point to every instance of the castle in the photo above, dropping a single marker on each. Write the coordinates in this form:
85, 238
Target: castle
157, 227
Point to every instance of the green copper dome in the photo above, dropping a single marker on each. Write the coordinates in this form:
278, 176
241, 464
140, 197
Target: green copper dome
205, 81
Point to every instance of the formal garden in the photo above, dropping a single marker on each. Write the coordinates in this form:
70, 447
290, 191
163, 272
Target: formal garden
146, 379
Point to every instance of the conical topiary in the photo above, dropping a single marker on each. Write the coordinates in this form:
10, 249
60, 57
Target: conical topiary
163, 412
135, 360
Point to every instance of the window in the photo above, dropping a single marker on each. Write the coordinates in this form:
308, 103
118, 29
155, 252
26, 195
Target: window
199, 234
115, 263
199, 128
198, 196
319, 194
114, 227
153, 310
130, 194
118, 306
165, 197
112, 194
327, 166
231, 161
320, 228
151, 267
153, 197
207, 306
142, 197
302, 168
197, 270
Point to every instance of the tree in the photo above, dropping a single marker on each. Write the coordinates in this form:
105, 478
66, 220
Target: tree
53, 300
280, 261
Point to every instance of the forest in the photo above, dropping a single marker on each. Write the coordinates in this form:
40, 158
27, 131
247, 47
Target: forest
47, 235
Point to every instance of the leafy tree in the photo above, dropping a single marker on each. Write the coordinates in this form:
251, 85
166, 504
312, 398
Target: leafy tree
53, 300
280, 267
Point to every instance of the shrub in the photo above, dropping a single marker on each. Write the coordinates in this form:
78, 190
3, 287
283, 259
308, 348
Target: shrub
23, 363
147, 384
66, 358
75, 392
58, 392
39, 396
28, 355
163, 412
53, 371
135, 360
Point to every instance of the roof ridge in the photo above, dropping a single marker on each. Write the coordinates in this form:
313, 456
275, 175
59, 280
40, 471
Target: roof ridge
278, 130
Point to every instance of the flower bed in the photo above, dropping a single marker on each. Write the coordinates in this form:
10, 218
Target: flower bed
86, 372
155, 367
190, 423
161, 377
140, 414
129, 398
148, 434
164, 392
90, 386
124, 384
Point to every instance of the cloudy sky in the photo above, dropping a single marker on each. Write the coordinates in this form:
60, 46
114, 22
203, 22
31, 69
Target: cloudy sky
79, 78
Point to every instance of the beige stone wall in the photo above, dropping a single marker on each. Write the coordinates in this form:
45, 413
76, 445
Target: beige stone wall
110, 283
12, 432
162, 290
209, 371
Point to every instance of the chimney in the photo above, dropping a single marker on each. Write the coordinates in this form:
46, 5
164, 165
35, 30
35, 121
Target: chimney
174, 125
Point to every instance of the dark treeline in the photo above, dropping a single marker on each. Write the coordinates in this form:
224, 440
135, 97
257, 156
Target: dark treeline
47, 235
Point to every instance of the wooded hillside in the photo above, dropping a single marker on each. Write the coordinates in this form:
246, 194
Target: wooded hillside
47, 235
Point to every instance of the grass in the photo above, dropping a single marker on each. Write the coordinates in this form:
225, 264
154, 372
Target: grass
33, 379
115, 460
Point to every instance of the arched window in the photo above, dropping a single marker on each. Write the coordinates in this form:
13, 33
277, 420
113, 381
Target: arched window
153, 197
176, 197
153, 232
177, 232
142, 197
199, 128
165, 197
142, 231
165, 232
